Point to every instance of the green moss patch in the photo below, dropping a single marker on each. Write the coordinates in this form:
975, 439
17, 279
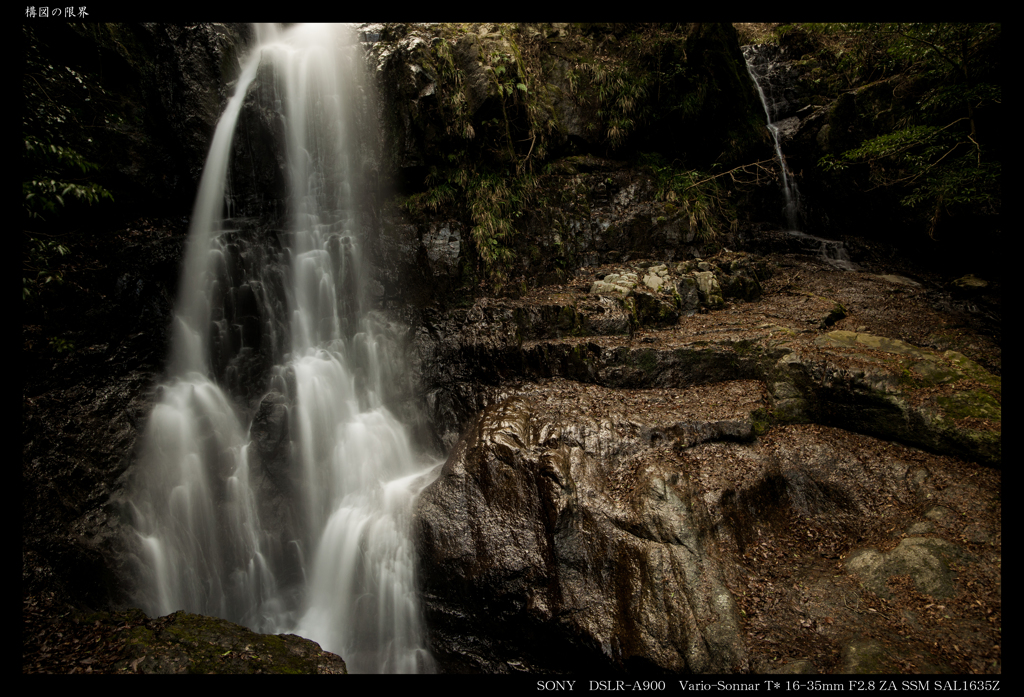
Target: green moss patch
187, 643
973, 404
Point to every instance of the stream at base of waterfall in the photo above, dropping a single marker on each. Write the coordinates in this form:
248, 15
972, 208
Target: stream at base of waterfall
330, 558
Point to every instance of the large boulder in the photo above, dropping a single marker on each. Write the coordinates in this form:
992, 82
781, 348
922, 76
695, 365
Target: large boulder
941, 401
559, 536
579, 528
127, 641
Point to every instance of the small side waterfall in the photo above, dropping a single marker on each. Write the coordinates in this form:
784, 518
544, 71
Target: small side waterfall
789, 188
317, 543
759, 66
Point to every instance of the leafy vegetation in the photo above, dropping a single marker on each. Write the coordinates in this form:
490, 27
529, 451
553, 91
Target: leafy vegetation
756, 33
454, 105
45, 196
643, 68
701, 198
621, 94
495, 101
938, 155
485, 172
56, 175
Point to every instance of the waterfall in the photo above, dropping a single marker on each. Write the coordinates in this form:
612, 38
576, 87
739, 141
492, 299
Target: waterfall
789, 189
834, 252
317, 543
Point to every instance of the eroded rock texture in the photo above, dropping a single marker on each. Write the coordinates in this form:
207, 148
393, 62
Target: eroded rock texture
753, 488
561, 536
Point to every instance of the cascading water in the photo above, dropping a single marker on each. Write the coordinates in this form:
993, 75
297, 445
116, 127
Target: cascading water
789, 189
832, 251
328, 554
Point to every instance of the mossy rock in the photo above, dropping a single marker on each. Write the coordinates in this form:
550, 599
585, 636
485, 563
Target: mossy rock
651, 310
838, 312
866, 657
183, 642
972, 370
870, 341
927, 560
944, 402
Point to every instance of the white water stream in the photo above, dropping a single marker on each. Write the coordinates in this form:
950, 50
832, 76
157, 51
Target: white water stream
831, 251
334, 562
789, 189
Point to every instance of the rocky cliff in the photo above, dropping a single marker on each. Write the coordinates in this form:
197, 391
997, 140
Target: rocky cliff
735, 490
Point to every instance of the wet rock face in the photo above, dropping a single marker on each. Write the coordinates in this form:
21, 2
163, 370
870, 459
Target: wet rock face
611, 486
781, 80
560, 538
270, 434
192, 67
583, 528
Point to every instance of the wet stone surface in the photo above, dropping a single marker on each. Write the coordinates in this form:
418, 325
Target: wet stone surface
794, 479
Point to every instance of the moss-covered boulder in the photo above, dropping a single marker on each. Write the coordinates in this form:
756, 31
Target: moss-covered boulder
943, 402
61, 639
186, 643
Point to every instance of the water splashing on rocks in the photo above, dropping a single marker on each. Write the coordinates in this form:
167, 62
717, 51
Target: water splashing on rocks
306, 531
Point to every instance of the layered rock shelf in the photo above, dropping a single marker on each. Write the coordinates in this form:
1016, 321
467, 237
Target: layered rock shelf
758, 481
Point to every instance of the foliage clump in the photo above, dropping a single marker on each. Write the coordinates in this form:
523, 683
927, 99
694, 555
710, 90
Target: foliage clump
57, 177
753, 33
939, 154
701, 199
512, 101
486, 170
